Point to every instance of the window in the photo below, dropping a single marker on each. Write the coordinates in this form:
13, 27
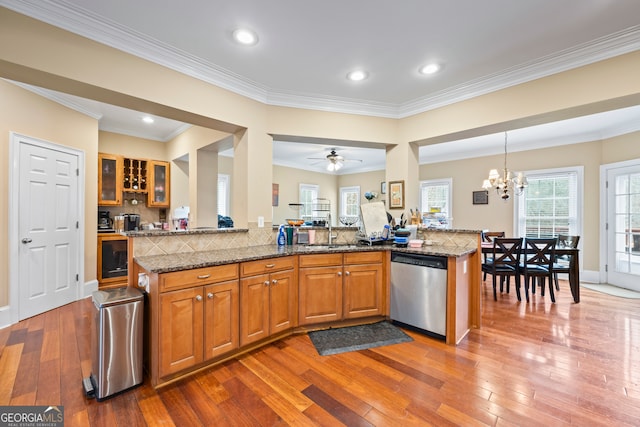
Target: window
435, 197
308, 194
224, 193
551, 204
350, 201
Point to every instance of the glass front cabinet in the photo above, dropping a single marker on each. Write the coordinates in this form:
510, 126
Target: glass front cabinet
158, 195
110, 169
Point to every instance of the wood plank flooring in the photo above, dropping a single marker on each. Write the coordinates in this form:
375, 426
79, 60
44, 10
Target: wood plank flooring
536, 364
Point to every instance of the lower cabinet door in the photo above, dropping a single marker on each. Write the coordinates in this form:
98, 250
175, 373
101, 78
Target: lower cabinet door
180, 330
320, 295
282, 302
362, 290
221, 319
254, 311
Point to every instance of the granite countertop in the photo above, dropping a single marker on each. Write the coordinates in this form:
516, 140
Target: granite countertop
197, 230
190, 260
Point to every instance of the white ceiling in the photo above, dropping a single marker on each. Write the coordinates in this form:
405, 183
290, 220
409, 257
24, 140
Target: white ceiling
305, 50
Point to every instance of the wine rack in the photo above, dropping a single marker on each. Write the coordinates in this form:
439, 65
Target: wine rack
135, 176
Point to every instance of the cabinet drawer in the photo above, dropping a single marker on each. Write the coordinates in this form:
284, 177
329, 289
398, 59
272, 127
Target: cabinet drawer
320, 260
363, 257
197, 276
263, 266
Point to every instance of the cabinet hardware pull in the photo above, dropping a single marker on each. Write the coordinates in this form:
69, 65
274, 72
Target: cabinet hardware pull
210, 295
347, 273
339, 273
270, 265
274, 281
204, 276
266, 283
198, 297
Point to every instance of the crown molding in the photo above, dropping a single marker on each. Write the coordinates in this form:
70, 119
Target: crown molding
82, 22
63, 100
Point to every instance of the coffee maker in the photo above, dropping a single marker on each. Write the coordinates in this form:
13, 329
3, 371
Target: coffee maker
131, 222
105, 223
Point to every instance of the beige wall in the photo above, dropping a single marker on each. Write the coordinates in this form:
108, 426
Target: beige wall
131, 146
28, 114
289, 180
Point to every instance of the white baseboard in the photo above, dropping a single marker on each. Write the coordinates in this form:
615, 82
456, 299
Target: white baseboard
88, 288
5, 316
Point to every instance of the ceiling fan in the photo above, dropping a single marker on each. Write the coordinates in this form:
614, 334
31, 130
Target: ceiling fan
335, 161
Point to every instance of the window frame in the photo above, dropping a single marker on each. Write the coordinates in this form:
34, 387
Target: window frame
225, 179
448, 182
519, 207
306, 210
343, 192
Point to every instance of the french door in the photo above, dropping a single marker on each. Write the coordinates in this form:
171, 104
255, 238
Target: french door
623, 232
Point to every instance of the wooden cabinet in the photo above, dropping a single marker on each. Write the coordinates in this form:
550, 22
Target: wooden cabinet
197, 323
181, 330
268, 300
363, 285
320, 288
159, 189
117, 174
110, 168
333, 288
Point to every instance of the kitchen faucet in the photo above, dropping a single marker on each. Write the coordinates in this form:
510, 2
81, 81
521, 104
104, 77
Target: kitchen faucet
331, 236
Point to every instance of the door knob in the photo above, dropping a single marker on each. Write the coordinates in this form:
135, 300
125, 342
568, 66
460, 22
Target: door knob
26, 240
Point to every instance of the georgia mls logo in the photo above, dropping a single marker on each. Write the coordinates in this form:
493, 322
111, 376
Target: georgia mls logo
31, 416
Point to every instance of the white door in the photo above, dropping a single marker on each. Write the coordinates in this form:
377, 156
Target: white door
48, 228
623, 233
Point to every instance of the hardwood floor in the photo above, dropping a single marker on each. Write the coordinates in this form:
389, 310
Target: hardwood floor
530, 364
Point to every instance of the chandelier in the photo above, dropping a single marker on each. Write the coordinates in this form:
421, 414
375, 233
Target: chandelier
506, 183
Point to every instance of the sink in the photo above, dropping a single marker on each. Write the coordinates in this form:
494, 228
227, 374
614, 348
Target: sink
337, 246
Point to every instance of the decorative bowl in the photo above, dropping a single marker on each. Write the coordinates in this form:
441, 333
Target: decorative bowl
348, 221
295, 221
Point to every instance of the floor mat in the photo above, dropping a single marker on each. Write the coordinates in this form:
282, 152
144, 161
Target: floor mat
611, 290
353, 338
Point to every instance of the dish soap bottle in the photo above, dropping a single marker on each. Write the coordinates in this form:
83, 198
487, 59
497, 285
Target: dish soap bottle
282, 239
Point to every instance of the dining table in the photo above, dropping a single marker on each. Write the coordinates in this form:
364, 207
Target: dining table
574, 266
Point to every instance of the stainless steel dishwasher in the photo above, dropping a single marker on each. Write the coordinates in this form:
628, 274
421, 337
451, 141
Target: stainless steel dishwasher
419, 292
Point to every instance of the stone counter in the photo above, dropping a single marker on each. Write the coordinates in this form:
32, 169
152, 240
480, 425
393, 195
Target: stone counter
188, 260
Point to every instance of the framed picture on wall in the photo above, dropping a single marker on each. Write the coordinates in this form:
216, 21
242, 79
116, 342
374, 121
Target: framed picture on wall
480, 197
396, 194
275, 194
383, 187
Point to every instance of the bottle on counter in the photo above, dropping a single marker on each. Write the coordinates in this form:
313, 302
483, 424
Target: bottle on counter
282, 240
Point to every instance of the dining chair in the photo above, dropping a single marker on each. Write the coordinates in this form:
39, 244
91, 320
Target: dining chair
561, 262
504, 263
539, 254
488, 236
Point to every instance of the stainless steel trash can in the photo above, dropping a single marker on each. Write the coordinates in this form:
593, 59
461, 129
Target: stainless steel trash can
116, 339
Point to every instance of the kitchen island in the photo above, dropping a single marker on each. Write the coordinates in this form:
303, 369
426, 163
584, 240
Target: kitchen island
205, 307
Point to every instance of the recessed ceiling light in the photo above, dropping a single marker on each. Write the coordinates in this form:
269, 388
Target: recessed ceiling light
430, 69
245, 37
356, 76
147, 119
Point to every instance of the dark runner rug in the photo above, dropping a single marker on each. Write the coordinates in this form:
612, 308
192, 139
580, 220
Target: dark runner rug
353, 338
